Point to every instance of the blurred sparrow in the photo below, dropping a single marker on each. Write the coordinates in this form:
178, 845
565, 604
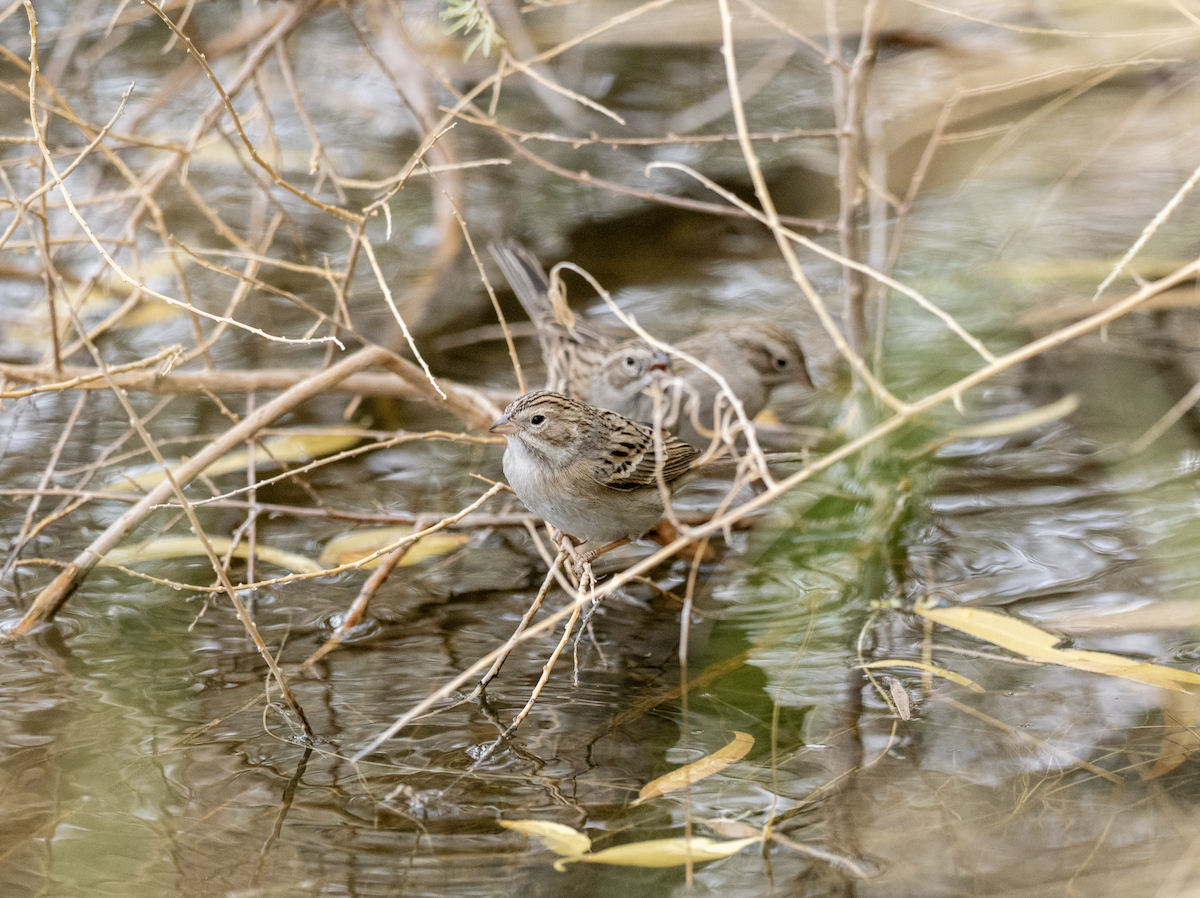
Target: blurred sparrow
587, 471
582, 361
754, 356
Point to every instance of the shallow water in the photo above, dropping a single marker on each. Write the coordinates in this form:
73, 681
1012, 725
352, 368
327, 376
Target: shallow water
143, 755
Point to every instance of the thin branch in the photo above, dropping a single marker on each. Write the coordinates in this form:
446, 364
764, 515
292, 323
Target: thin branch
354, 614
51, 599
343, 214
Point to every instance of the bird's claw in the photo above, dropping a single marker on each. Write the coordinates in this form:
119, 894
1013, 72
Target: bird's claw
579, 563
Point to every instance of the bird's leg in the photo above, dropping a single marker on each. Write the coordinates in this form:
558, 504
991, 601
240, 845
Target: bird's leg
565, 543
664, 533
596, 553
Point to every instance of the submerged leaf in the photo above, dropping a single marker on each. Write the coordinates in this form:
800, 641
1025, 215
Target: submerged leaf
1162, 614
558, 838
662, 852
1038, 645
930, 668
350, 547
298, 445
1024, 421
169, 547
698, 770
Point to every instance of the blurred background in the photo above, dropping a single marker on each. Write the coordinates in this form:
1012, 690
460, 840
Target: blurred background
1001, 159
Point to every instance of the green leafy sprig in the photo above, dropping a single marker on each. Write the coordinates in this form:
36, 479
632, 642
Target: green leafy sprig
472, 15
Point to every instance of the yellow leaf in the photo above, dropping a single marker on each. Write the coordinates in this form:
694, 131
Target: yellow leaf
698, 770
350, 547
299, 445
1016, 423
169, 547
1087, 269
1081, 307
218, 156
766, 416
558, 838
149, 311
1167, 614
662, 852
936, 671
1038, 645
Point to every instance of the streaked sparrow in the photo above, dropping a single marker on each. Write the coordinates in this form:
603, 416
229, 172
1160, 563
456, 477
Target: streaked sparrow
582, 361
587, 471
754, 356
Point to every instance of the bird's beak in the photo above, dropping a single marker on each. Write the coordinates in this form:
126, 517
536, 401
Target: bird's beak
661, 366
802, 377
504, 426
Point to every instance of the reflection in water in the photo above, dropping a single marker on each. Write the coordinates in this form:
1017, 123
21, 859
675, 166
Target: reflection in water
141, 752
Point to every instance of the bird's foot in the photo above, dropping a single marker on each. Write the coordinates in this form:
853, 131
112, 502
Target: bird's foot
664, 533
582, 562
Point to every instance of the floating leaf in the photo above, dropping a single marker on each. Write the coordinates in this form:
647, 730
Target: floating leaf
899, 697
929, 668
149, 310
662, 852
1038, 645
560, 839
1166, 614
1024, 421
350, 547
30, 327
299, 445
169, 547
220, 157
698, 770
1085, 269
1081, 307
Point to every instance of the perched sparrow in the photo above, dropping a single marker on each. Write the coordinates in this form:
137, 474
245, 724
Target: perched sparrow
583, 362
587, 471
753, 356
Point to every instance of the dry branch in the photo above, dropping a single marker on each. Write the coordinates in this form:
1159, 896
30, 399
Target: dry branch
51, 599
332, 262
473, 400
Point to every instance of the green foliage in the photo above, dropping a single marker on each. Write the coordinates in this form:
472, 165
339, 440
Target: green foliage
472, 15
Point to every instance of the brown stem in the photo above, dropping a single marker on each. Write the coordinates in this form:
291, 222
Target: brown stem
51, 599
850, 99
236, 381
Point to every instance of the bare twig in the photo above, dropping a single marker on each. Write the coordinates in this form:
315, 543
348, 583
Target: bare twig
358, 609
52, 598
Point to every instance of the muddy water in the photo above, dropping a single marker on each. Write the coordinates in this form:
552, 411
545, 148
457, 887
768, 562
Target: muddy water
142, 754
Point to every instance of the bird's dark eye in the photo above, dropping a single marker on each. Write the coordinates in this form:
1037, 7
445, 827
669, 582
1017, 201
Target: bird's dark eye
537, 419
630, 362
781, 363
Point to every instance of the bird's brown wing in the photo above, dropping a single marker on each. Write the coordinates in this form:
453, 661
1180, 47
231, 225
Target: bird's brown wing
528, 280
629, 461
572, 349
